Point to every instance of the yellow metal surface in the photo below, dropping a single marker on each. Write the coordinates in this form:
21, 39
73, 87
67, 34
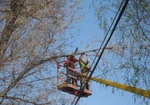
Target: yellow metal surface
139, 91
61, 86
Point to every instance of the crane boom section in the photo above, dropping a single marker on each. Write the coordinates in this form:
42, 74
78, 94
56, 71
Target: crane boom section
139, 91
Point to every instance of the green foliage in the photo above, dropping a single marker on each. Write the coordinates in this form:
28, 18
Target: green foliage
131, 37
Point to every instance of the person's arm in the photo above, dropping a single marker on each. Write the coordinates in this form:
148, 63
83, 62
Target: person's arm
66, 63
88, 60
76, 60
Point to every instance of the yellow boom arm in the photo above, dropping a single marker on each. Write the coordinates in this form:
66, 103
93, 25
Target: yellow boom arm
142, 92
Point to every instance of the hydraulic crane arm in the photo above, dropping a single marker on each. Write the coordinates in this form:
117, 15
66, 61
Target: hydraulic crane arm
142, 92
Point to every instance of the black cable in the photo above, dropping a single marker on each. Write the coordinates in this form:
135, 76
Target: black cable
107, 33
117, 21
103, 40
73, 100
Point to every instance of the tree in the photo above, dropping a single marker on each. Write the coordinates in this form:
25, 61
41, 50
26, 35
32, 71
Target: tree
32, 38
131, 41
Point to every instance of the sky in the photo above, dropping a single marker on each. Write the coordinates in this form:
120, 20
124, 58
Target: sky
88, 28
